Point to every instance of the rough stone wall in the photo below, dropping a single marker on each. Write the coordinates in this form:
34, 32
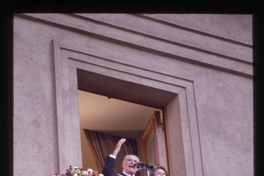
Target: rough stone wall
205, 59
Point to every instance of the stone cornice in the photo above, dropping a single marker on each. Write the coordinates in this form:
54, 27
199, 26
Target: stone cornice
184, 45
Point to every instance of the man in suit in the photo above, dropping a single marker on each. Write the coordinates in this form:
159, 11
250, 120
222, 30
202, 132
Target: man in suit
129, 163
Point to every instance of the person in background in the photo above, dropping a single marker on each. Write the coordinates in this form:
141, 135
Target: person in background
160, 171
129, 163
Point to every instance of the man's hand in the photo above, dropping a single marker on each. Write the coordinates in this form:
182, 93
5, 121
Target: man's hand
118, 146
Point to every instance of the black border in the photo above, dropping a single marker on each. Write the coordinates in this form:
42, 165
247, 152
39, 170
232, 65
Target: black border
6, 91
119, 6
258, 52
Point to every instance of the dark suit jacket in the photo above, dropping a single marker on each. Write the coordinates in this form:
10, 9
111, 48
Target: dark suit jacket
109, 165
108, 169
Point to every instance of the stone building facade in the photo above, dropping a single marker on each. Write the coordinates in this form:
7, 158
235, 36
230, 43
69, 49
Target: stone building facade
198, 68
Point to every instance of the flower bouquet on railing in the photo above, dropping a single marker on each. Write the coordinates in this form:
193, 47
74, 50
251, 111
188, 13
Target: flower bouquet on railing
77, 171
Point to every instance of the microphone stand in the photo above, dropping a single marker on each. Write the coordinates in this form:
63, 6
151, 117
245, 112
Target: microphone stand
148, 171
147, 168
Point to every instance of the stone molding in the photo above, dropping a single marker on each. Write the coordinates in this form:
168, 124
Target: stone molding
71, 55
188, 46
68, 60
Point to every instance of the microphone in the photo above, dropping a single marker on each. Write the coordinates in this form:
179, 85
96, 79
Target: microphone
134, 165
145, 167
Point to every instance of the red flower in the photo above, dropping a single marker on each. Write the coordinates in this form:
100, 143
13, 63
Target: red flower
68, 170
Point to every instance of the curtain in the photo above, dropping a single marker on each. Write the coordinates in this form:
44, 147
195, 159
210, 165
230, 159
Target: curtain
103, 144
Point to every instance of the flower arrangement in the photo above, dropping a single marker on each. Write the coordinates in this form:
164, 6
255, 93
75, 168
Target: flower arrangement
77, 171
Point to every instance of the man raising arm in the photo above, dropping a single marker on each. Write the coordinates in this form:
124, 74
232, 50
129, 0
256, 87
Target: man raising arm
129, 162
